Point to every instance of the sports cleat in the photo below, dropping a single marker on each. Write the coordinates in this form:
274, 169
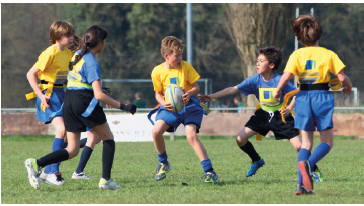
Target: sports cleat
43, 176
55, 179
305, 169
254, 168
317, 175
211, 178
161, 171
80, 175
33, 172
108, 185
301, 190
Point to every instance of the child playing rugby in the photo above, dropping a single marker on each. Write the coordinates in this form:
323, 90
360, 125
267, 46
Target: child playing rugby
176, 71
82, 110
314, 103
52, 69
268, 116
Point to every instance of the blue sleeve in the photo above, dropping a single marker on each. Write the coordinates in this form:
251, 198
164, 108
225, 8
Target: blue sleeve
247, 86
92, 73
289, 87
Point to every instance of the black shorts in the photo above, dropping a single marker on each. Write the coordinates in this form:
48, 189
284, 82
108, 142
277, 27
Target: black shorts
262, 122
76, 103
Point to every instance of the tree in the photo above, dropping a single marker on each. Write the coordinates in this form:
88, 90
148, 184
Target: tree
257, 25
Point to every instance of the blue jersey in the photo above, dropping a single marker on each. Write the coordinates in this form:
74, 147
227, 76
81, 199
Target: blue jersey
86, 71
263, 90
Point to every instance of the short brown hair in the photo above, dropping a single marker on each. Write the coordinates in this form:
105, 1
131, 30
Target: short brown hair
307, 28
59, 29
273, 55
170, 45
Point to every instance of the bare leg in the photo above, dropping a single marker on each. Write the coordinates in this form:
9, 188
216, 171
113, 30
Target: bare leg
195, 142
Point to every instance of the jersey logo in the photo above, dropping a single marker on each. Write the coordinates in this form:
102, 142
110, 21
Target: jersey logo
309, 76
266, 97
174, 80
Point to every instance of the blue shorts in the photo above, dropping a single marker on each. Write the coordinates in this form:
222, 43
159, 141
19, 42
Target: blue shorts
55, 102
191, 114
314, 108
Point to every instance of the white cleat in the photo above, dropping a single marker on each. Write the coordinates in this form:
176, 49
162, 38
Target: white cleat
33, 170
108, 185
80, 175
55, 179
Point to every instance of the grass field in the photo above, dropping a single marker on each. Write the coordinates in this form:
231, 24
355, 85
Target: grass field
135, 163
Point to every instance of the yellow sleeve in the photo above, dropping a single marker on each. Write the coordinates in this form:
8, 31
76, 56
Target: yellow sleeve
193, 76
44, 61
291, 65
336, 64
158, 86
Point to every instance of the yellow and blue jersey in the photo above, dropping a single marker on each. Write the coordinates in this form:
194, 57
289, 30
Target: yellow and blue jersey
264, 90
184, 76
86, 71
53, 65
312, 65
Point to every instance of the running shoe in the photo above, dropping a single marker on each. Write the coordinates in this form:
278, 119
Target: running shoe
108, 184
254, 168
33, 172
161, 171
211, 178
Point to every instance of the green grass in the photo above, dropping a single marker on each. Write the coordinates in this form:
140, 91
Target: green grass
134, 164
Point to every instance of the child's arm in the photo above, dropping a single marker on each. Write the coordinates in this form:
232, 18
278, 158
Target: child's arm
32, 78
160, 99
346, 81
282, 83
104, 98
222, 93
187, 95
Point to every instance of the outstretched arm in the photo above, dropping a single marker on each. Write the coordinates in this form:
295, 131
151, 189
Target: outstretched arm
222, 93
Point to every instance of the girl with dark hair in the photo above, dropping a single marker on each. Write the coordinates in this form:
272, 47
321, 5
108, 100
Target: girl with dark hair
81, 110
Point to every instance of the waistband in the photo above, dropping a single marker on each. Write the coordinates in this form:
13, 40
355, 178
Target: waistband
320, 86
56, 85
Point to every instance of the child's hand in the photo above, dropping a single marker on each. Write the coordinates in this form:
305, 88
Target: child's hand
44, 99
285, 112
204, 98
168, 106
186, 96
347, 90
277, 94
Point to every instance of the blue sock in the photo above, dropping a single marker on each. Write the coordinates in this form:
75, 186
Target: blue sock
163, 157
57, 145
83, 142
303, 154
207, 166
85, 156
318, 153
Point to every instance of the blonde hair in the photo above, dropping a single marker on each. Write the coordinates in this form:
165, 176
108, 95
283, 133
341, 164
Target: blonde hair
307, 28
59, 29
170, 45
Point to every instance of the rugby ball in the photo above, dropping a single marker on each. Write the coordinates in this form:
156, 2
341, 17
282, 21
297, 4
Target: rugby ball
173, 94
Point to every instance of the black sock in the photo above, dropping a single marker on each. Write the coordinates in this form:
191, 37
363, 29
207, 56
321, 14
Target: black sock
83, 142
54, 157
314, 168
108, 151
249, 149
85, 156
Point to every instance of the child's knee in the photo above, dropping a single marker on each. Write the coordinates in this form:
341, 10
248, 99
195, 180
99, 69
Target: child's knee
61, 132
156, 132
73, 153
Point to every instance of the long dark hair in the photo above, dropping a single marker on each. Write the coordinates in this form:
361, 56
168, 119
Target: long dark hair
92, 37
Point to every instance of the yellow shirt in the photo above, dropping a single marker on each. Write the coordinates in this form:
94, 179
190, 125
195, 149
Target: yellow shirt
53, 65
312, 65
184, 77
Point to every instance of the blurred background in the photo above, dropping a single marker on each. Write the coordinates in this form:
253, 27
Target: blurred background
226, 38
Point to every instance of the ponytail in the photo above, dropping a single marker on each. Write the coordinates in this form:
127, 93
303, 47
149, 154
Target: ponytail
92, 37
78, 57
